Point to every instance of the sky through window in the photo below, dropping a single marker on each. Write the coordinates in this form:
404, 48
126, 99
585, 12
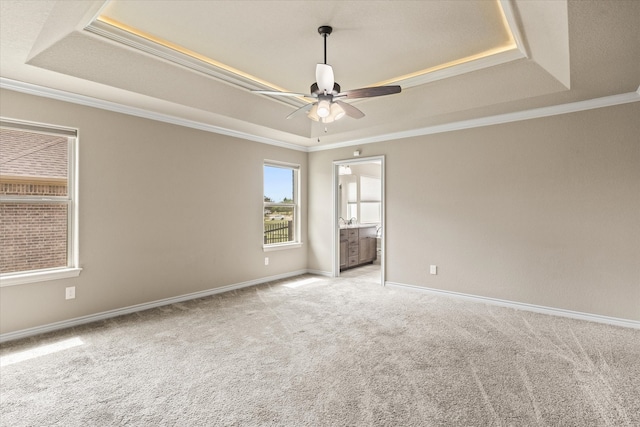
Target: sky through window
278, 183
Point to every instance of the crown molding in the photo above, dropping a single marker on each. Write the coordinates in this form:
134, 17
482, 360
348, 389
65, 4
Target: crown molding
536, 113
554, 110
88, 101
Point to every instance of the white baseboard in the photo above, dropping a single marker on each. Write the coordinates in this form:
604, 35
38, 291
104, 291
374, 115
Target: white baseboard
627, 323
320, 273
24, 333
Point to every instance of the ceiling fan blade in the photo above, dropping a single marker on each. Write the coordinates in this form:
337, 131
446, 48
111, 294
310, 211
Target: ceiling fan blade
350, 110
324, 78
369, 92
276, 93
302, 109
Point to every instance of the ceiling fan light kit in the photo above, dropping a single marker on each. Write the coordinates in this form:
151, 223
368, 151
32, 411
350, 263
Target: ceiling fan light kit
326, 92
336, 112
324, 106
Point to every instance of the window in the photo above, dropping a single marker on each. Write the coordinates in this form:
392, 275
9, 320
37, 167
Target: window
370, 199
352, 199
281, 222
37, 203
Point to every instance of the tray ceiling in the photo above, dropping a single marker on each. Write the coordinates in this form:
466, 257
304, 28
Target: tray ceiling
197, 61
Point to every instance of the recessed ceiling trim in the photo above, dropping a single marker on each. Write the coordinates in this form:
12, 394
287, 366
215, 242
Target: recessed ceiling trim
117, 33
467, 65
509, 16
513, 50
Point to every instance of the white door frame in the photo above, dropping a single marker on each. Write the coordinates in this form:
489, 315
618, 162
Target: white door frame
336, 214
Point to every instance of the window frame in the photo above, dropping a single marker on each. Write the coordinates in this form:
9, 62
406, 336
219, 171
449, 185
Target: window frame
296, 242
72, 268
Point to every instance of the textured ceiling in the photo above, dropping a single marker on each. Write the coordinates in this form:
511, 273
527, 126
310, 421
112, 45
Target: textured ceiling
198, 60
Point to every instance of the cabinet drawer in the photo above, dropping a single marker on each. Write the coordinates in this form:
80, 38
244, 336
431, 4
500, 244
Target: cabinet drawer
353, 250
352, 233
353, 260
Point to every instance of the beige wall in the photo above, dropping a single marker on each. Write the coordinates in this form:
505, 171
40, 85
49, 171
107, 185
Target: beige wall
164, 211
543, 211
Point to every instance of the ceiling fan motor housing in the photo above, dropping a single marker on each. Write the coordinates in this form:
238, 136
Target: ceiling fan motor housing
315, 91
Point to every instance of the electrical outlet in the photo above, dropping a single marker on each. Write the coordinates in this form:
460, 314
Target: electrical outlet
433, 269
70, 293
266, 260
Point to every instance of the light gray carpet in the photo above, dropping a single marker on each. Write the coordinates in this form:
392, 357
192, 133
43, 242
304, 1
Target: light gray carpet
328, 352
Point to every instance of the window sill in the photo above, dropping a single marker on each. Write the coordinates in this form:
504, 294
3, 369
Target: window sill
12, 279
282, 246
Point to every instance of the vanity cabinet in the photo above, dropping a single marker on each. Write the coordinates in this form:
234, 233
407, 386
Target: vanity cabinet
344, 249
357, 246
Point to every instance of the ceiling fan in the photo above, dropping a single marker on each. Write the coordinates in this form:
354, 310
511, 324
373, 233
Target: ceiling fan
328, 106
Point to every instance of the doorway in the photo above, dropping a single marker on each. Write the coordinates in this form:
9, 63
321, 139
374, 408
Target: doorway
359, 217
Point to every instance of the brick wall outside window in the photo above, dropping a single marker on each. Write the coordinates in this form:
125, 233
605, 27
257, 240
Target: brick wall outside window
33, 189
34, 236
33, 229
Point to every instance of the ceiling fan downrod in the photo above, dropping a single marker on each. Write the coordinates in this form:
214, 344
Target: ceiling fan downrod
324, 31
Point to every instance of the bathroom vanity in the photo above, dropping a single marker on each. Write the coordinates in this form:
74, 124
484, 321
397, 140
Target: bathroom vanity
358, 245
